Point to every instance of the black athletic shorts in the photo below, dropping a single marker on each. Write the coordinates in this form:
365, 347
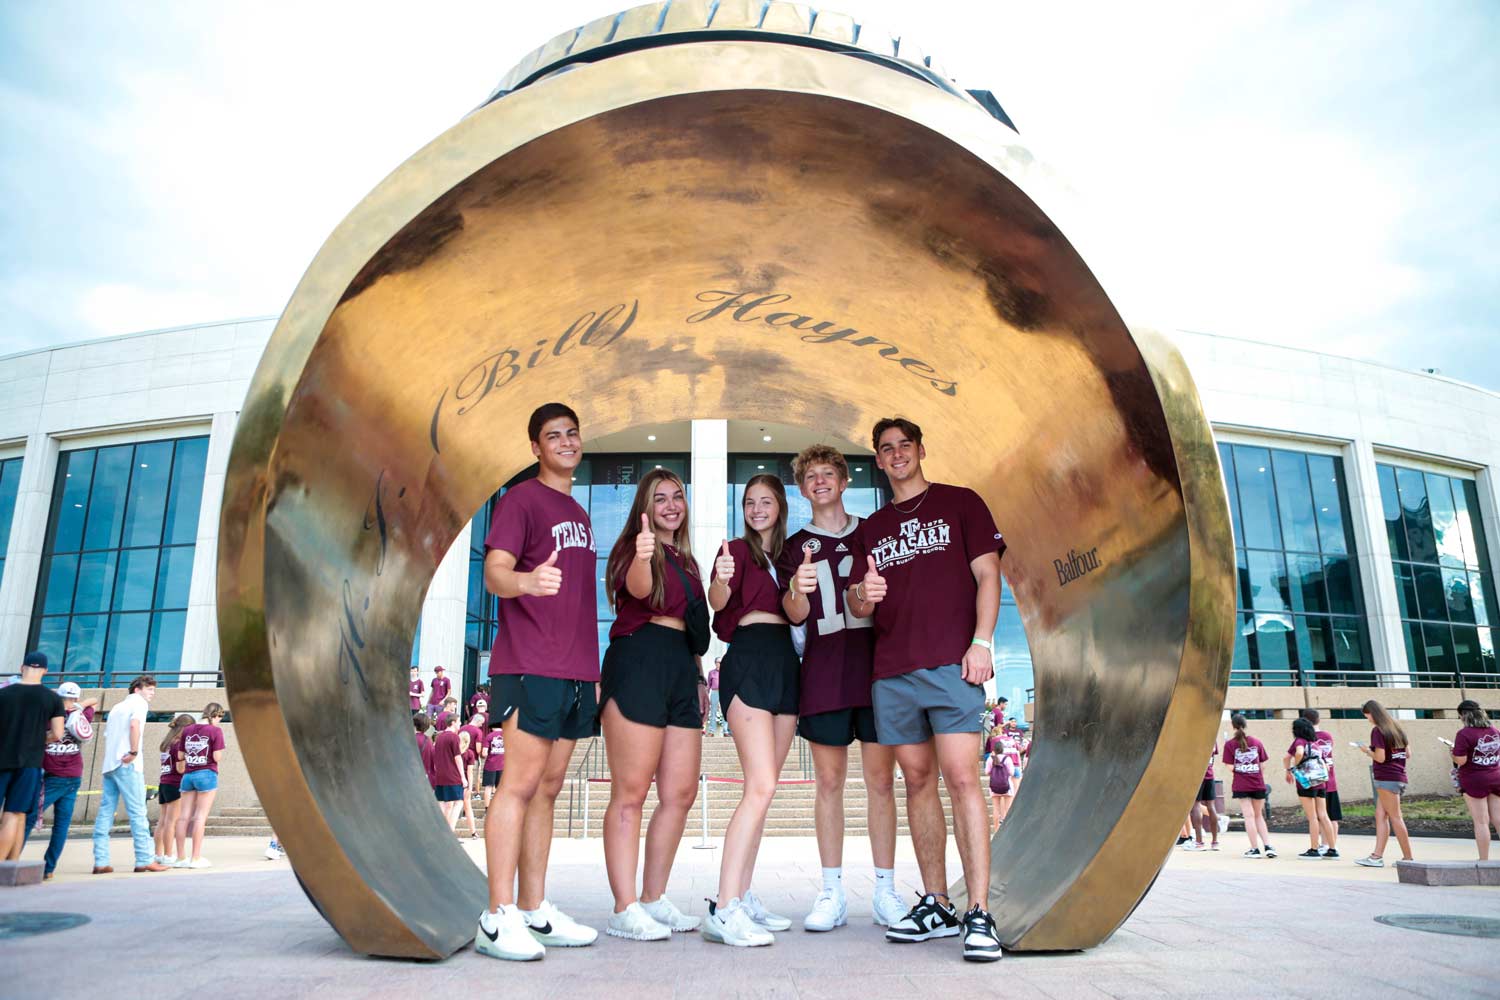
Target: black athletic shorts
1311, 793
1259, 793
1206, 791
761, 669
652, 677
167, 794
448, 793
492, 778
1335, 810
549, 707
840, 727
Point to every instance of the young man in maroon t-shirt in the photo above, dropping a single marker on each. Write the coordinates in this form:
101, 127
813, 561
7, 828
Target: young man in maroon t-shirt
544, 684
441, 685
932, 584
834, 704
62, 772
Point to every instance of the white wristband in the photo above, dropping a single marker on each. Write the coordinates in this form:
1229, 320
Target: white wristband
977, 641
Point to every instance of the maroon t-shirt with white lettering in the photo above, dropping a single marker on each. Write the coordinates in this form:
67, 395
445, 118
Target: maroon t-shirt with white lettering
927, 618
1479, 777
750, 589
632, 612
1213, 759
440, 688
496, 759
416, 689
555, 636
170, 776
476, 737
444, 749
198, 745
1324, 744
1394, 768
64, 758
1246, 764
839, 656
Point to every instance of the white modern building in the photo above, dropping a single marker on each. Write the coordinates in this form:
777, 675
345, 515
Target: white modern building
1363, 498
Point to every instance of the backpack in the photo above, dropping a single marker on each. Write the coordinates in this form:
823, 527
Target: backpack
1313, 771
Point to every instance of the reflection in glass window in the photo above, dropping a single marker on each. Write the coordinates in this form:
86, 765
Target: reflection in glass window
1301, 612
1444, 587
113, 588
10, 484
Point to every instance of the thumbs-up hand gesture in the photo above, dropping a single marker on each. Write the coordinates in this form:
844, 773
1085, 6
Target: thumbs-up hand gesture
806, 580
873, 583
645, 542
546, 579
724, 565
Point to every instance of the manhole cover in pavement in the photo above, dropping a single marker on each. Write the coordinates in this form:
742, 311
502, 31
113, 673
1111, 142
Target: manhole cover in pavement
1443, 923
23, 924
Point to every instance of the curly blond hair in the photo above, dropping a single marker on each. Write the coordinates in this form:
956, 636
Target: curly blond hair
819, 454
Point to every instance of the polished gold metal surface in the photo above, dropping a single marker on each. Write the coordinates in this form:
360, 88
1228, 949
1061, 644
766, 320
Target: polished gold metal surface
732, 228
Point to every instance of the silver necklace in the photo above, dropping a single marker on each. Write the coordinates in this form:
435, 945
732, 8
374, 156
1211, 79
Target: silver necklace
918, 504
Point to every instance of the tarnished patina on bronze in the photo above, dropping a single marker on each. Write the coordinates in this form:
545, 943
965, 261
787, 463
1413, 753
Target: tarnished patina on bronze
731, 228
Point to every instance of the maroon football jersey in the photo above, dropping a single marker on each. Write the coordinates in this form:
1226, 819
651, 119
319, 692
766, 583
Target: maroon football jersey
840, 650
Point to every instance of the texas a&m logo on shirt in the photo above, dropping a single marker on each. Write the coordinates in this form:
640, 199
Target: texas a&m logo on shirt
915, 537
195, 749
572, 535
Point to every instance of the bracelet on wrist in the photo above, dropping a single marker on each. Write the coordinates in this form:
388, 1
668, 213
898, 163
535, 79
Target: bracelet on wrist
859, 592
980, 641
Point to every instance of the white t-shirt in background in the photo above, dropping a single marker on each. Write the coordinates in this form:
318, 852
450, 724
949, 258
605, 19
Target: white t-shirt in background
117, 732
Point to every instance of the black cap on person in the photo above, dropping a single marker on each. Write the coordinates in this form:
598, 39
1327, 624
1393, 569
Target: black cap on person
35, 658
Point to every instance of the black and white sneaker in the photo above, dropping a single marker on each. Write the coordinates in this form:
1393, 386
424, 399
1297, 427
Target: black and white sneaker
928, 919
981, 943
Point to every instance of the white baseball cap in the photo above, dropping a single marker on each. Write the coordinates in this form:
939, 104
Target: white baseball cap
68, 689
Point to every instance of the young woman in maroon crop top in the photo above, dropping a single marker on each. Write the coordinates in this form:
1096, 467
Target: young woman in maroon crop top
758, 687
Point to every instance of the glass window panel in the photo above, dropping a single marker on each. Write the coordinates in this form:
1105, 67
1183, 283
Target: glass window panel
476, 587
1328, 498
1302, 630
10, 484
148, 493
1466, 648
1306, 582
1348, 643
136, 581
416, 645
76, 471
1012, 652
1444, 521
1478, 597
186, 493
1486, 650
609, 508
1470, 524
1299, 529
1390, 503
85, 643
1257, 498
1456, 592
582, 477
165, 652
1339, 574
174, 576
1273, 641
1438, 644
107, 498
601, 592
61, 573
1242, 592
1241, 643
863, 501
52, 638
1416, 649
1268, 582
96, 578
1416, 515
1406, 590
1317, 633
1430, 599
1231, 486
126, 652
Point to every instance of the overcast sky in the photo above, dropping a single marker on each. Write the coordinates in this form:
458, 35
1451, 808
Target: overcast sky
1319, 174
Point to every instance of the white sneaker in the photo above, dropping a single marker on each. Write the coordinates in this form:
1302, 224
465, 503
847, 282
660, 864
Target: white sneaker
732, 925
182, 863
1193, 845
829, 910
199, 863
758, 913
888, 909
505, 935
272, 854
166, 859
549, 925
635, 924
663, 912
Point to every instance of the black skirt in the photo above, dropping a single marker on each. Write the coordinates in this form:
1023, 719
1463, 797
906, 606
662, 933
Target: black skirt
761, 669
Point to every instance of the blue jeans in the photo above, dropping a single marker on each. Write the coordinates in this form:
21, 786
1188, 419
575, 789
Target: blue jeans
123, 784
715, 720
60, 795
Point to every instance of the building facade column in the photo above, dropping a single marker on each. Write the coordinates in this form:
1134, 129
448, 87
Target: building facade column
445, 613
710, 476
1376, 576
23, 556
200, 634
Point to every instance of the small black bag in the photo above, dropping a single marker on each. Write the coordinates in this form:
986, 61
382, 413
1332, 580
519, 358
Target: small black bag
696, 619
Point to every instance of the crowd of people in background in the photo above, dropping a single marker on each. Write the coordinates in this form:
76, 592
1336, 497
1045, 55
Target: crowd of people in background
463, 756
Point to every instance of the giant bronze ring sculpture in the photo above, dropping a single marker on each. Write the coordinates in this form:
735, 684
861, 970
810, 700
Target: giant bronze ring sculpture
742, 210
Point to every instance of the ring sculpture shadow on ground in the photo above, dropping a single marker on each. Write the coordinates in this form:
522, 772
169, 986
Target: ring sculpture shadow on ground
761, 223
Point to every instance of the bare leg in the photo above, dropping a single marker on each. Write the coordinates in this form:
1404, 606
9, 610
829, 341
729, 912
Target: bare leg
1197, 823
676, 791
184, 821
204, 802
994, 813
755, 743
879, 765
633, 751
956, 753
1260, 822
1310, 810
1211, 821
1330, 833
783, 730
1398, 824
831, 768
536, 843
526, 758
924, 815
1006, 801
1248, 810
12, 829
1480, 813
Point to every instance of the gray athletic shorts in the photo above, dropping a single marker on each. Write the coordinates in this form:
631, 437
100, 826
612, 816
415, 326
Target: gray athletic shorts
912, 707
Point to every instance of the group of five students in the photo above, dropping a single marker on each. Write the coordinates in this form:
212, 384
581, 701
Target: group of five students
897, 610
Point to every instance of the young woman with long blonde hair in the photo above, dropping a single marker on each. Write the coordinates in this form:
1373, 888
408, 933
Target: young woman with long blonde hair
1388, 750
169, 793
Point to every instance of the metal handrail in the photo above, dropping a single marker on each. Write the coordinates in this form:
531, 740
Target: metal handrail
591, 766
97, 678
1300, 677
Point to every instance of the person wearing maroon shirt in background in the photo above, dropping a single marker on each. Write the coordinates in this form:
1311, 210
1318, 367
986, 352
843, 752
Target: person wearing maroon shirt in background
169, 793
1313, 797
835, 696
421, 724
544, 676
1331, 804
62, 773
448, 779
494, 765
201, 749
475, 730
652, 700
481, 693
758, 687
1388, 751
31, 716
1209, 818
415, 688
1247, 756
469, 753
1476, 754
441, 685
932, 584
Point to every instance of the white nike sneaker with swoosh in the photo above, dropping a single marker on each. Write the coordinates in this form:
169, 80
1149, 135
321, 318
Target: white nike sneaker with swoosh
504, 934
553, 927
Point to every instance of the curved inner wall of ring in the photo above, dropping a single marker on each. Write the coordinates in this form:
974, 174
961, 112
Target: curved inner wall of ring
749, 255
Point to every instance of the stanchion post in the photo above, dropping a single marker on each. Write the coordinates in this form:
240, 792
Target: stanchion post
703, 844
586, 789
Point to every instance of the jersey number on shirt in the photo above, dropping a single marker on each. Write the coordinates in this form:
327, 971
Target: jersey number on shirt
832, 620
